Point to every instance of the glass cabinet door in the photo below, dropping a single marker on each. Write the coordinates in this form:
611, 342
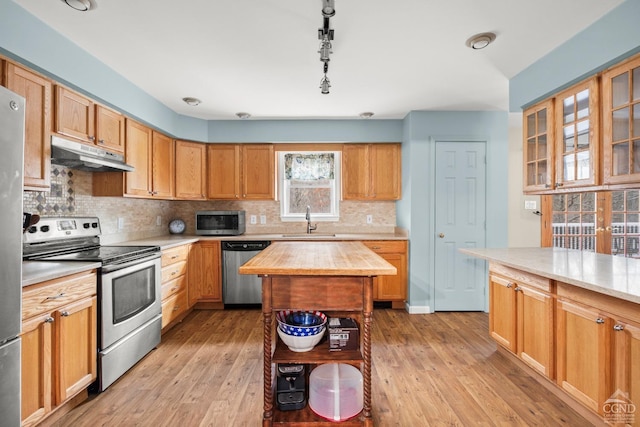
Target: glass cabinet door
621, 122
577, 135
538, 147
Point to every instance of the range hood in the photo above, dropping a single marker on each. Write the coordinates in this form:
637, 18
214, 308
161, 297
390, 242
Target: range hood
75, 155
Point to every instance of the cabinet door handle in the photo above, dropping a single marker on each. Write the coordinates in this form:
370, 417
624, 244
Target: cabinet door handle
176, 308
60, 295
101, 141
509, 285
64, 313
376, 247
518, 289
174, 257
92, 138
48, 320
599, 320
618, 327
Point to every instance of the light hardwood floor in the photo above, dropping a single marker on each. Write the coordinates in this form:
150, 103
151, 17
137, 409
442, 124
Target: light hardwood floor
428, 370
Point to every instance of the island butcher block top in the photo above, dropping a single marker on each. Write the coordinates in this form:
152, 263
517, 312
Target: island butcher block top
318, 259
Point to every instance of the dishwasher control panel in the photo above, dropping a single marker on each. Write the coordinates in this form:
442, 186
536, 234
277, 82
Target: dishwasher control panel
239, 245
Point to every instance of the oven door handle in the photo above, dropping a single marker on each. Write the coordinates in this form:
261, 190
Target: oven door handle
110, 268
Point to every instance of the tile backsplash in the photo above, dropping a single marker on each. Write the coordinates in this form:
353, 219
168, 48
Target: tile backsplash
70, 195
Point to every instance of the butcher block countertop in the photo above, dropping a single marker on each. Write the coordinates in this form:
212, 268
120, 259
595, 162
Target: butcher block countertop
318, 259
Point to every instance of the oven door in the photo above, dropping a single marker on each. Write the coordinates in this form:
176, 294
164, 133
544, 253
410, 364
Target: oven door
129, 298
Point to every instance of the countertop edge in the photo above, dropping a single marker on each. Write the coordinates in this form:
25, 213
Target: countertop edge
497, 256
172, 240
34, 272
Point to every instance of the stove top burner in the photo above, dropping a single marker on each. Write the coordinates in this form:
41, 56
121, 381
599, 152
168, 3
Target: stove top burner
106, 254
76, 239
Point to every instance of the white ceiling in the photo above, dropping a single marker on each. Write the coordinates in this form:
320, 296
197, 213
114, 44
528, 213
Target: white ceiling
260, 56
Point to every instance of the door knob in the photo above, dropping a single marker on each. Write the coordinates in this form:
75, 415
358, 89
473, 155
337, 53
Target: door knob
441, 235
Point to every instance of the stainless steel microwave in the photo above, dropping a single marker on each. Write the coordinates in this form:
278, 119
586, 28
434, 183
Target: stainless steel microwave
220, 223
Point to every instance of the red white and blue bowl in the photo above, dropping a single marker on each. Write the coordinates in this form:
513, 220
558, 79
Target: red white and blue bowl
301, 323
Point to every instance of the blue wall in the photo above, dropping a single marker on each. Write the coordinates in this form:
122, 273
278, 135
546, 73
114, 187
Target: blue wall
415, 212
607, 41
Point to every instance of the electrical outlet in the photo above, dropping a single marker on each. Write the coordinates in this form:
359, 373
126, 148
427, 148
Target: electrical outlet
120, 223
530, 204
263, 219
252, 219
369, 219
158, 220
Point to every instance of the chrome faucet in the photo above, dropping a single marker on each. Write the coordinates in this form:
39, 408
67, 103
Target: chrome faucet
310, 227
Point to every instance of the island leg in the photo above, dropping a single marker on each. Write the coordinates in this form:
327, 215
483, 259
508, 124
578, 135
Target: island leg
267, 418
366, 344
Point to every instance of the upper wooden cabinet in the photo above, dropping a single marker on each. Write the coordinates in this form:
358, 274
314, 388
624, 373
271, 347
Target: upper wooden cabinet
538, 147
152, 155
191, 173
241, 171
74, 115
138, 154
577, 135
37, 146
162, 178
621, 123
78, 117
371, 172
110, 129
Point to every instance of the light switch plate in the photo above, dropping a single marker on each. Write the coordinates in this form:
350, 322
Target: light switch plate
369, 219
263, 219
252, 219
530, 204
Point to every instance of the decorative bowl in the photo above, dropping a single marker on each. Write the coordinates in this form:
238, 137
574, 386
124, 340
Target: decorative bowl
301, 343
301, 323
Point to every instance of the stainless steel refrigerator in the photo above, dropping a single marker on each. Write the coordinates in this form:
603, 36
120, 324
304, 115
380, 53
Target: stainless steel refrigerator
11, 170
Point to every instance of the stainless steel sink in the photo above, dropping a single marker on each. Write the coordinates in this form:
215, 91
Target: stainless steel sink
308, 236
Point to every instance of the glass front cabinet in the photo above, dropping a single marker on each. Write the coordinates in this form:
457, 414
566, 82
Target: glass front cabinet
538, 147
621, 122
577, 154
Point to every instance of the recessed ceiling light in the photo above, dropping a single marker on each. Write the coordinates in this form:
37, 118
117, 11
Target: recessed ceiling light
81, 5
366, 115
243, 116
191, 101
480, 41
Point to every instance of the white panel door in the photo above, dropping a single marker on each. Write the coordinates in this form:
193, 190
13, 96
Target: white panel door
459, 223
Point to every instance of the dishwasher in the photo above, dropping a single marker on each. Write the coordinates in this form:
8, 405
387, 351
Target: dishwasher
239, 288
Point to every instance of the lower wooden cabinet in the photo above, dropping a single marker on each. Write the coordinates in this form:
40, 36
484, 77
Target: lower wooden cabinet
599, 351
205, 274
59, 343
174, 285
583, 354
586, 343
391, 288
521, 318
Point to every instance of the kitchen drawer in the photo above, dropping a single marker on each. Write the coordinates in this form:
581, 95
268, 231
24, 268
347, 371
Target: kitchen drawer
173, 307
173, 255
523, 277
48, 296
173, 271
386, 246
173, 287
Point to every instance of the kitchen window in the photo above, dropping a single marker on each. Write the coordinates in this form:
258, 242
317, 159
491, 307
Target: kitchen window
309, 179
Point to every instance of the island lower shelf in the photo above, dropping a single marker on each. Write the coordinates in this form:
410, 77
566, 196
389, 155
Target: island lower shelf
343, 296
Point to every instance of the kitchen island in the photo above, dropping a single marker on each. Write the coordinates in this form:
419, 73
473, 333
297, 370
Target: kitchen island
333, 277
573, 319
